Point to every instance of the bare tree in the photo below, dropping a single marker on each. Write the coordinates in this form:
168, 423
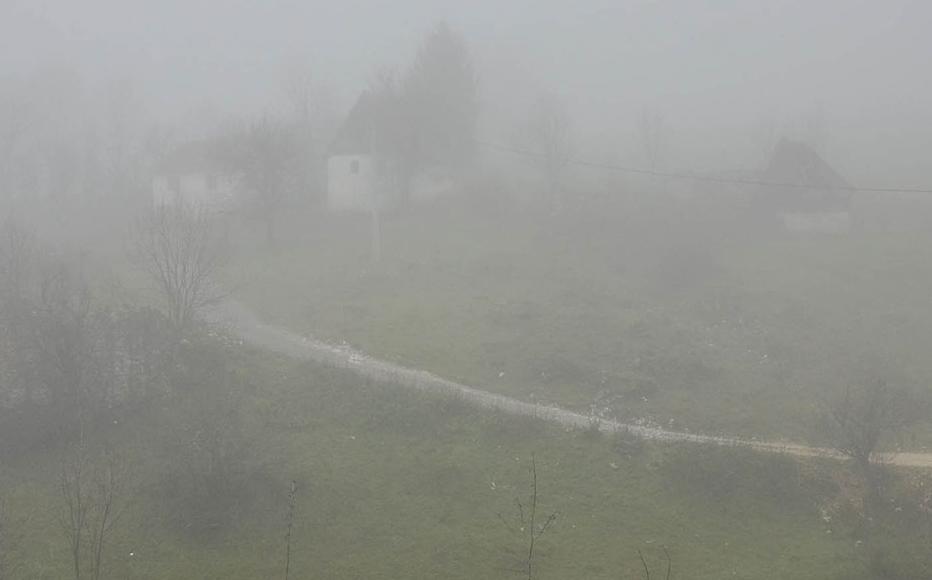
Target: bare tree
306, 100
289, 523
268, 165
310, 103
11, 537
107, 489
652, 132
178, 249
15, 119
60, 336
862, 416
666, 553
5, 548
17, 277
90, 491
121, 133
299, 92
528, 523
16, 251
47, 353
763, 136
17, 270
551, 132
815, 126
74, 517
66, 358
390, 141
441, 97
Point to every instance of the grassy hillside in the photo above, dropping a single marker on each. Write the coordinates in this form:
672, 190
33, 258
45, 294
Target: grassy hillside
677, 313
396, 486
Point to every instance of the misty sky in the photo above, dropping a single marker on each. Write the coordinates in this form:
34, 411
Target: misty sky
714, 67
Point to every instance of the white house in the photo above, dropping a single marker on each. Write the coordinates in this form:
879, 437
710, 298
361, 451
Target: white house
194, 174
352, 176
358, 179
351, 181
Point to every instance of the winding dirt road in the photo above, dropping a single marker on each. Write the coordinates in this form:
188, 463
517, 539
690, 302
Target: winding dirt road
239, 320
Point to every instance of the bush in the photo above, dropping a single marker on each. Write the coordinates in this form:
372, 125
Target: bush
628, 444
893, 559
725, 475
898, 533
66, 357
211, 474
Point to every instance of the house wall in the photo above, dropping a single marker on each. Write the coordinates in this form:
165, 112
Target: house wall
350, 182
198, 189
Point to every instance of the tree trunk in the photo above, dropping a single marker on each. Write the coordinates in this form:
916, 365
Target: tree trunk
376, 236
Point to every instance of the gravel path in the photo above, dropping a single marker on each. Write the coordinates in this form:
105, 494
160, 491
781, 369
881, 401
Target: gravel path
239, 320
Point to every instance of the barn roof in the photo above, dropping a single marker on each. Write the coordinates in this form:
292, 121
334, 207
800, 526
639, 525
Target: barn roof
806, 181
355, 135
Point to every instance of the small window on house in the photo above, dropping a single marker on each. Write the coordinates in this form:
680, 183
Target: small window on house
354, 167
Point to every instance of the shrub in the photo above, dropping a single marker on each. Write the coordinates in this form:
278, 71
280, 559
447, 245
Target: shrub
726, 475
627, 444
211, 474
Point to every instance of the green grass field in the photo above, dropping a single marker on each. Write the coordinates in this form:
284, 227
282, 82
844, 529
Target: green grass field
396, 485
676, 314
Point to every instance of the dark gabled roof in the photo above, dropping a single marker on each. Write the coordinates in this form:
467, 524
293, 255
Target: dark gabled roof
797, 163
807, 182
356, 134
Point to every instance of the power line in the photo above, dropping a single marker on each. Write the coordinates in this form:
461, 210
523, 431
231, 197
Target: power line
698, 177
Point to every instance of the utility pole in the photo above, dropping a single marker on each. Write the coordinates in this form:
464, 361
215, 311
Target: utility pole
290, 526
374, 186
376, 233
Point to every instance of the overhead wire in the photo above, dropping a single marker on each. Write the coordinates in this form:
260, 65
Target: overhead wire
699, 176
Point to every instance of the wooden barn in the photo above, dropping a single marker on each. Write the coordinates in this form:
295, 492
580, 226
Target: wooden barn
808, 195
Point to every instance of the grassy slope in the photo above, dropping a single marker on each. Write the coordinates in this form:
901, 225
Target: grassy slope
393, 486
684, 319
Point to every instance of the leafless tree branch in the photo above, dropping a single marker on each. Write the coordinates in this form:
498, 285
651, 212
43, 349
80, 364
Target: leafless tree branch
176, 246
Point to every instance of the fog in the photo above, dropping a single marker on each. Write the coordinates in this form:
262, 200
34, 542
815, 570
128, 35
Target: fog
436, 289
716, 69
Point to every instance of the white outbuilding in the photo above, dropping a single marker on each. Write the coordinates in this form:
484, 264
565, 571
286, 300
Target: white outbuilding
352, 176
808, 195
193, 174
358, 179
